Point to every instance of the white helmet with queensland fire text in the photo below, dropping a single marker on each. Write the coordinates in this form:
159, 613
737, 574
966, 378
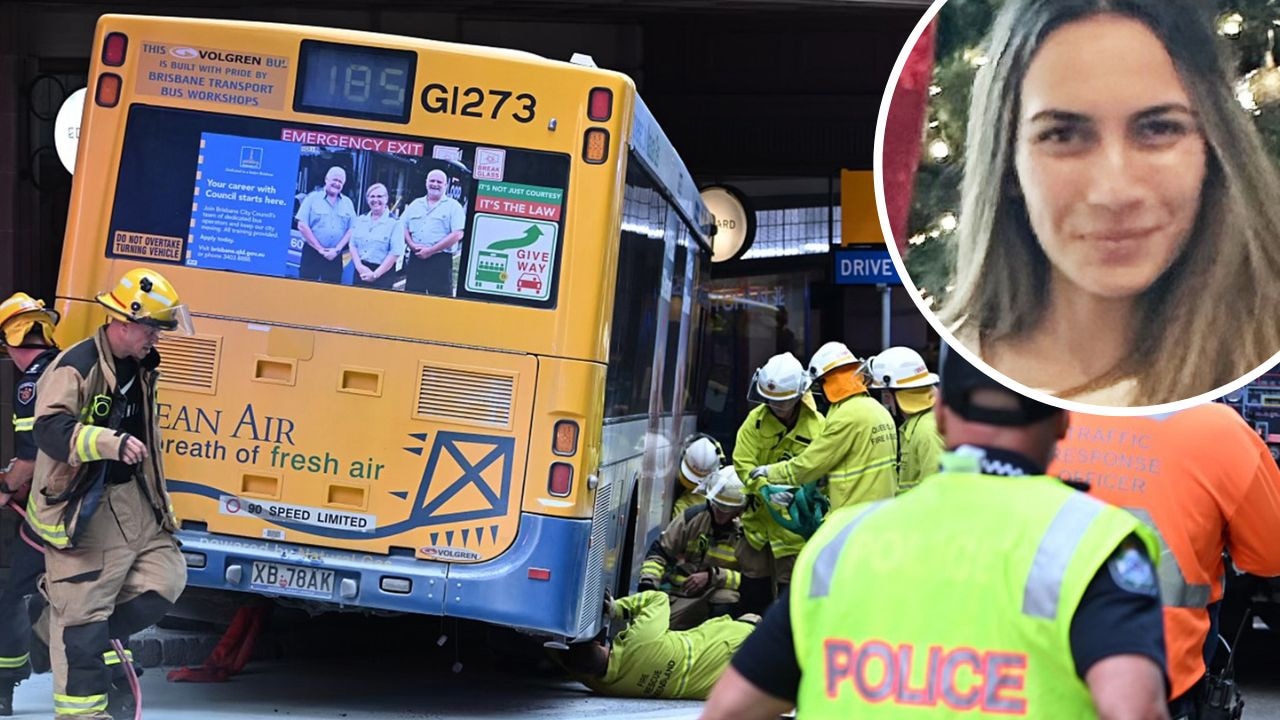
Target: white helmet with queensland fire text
779, 380
830, 356
701, 458
899, 368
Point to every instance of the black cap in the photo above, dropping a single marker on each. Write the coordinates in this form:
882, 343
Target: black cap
959, 379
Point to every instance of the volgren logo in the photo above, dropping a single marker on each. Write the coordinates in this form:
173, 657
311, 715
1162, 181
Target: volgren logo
184, 52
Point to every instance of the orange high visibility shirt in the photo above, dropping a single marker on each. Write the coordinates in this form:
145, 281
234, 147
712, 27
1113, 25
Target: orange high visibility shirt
1205, 480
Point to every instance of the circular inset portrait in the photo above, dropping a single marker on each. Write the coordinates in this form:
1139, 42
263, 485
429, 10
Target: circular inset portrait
1084, 193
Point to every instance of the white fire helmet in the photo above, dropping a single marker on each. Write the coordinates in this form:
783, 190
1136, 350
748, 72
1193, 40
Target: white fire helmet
724, 488
899, 368
830, 356
700, 459
779, 380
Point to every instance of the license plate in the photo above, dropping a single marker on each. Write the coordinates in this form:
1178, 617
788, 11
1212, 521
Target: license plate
311, 582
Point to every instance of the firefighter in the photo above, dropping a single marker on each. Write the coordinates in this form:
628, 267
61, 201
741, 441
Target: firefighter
857, 449
908, 392
647, 659
780, 427
1204, 479
701, 457
26, 334
991, 589
99, 500
695, 560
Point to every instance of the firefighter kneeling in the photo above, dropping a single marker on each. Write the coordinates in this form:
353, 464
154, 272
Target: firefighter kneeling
99, 500
695, 560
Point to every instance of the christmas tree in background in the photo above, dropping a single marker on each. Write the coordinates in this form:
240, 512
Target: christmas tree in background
1247, 27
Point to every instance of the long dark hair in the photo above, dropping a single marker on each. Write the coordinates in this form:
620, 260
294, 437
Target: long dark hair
1211, 316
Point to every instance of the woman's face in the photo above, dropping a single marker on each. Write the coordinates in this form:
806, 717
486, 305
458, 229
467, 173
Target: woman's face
1109, 155
377, 198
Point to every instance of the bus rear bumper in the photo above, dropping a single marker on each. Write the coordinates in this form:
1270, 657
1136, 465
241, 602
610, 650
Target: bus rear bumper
535, 586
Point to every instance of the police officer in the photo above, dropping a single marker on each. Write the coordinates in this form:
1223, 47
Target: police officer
781, 426
99, 500
908, 392
857, 449
991, 589
26, 334
695, 560
1204, 479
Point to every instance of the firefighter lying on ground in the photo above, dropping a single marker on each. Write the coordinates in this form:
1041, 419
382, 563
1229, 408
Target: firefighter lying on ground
647, 659
695, 559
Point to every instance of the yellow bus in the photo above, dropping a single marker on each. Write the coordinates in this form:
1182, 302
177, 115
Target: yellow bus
443, 438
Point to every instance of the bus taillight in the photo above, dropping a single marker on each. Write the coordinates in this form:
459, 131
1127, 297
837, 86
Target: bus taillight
595, 146
565, 441
113, 49
600, 104
108, 92
560, 481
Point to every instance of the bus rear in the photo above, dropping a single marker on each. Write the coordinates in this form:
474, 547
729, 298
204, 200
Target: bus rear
421, 448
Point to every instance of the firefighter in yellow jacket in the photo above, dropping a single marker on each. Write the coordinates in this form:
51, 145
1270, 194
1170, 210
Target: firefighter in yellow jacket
647, 659
857, 449
695, 560
112, 565
782, 425
908, 392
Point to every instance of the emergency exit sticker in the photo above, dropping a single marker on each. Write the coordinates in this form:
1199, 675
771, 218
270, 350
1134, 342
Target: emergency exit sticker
511, 256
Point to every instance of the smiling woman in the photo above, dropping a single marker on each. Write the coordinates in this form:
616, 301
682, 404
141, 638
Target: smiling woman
1130, 254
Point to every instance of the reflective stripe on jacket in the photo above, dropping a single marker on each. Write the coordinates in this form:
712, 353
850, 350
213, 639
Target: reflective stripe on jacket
69, 443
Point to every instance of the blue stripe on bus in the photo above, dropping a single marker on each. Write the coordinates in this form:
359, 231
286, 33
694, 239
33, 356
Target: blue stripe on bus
497, 591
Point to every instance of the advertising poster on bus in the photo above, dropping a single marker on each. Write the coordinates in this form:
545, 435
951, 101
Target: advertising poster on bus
439, 217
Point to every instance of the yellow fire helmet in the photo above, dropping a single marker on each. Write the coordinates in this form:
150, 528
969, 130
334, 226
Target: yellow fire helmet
145, 296
19, 313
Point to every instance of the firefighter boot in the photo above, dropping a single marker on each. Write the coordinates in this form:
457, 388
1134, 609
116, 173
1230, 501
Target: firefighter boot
6, 698
121, 705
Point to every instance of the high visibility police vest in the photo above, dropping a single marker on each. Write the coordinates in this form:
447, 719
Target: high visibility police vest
956, 597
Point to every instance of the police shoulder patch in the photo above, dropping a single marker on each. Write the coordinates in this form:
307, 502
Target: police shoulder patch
26, 392
1132, 570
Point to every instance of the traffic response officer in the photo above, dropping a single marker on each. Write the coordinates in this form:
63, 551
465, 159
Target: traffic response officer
908, 392
26, 334
99, 500
647, 659
857, 449
1200, 476
701, 457
695, 560
780, 427
991, 589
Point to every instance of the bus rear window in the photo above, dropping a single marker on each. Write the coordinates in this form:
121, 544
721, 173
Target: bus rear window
341, 206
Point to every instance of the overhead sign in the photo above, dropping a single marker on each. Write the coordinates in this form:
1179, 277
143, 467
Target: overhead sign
865, 267
66, 129
735, 223
859, 223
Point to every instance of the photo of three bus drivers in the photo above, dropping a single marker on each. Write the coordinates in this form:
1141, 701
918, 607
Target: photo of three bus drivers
427, 235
